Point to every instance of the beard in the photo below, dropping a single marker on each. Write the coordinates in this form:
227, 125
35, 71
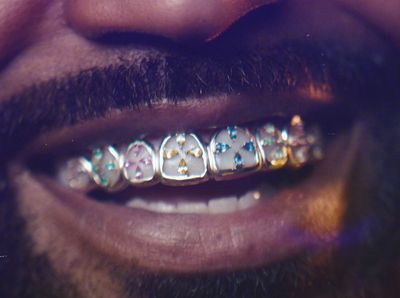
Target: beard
365, 263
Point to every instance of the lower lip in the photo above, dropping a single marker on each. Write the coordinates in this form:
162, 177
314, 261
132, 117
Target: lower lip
191, 242
272, 230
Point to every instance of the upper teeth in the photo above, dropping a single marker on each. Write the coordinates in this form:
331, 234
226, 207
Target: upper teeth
184, 159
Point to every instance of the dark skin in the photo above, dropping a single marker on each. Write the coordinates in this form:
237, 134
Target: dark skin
352, 209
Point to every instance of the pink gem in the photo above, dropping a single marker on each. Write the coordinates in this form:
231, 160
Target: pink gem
138, 174
137, 149
146, 160
297, 135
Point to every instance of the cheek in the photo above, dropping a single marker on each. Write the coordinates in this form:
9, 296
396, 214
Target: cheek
382, 14
18, 19
70, 259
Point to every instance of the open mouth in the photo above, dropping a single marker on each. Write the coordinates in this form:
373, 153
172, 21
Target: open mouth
179, 202
182, 159
228, 180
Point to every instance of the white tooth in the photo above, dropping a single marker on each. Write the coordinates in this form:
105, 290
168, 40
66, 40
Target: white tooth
193, 207
137, 203
224, 205
161, 207
250, 199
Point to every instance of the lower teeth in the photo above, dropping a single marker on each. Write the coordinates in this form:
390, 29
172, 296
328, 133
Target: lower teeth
214, 206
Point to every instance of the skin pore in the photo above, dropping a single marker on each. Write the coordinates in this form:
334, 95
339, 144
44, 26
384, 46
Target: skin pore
43, 251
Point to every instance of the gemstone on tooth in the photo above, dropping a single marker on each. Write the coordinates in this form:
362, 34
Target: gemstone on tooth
180, 139
233, 151
249, 146
238, 161
221, 147
232, 130
196, 152
139, 163
183, 169
170, 153
75, 173
106, 171
272, 143
183, 159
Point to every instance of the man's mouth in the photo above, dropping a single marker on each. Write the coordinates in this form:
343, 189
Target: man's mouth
213, 195
234, 214
243, 223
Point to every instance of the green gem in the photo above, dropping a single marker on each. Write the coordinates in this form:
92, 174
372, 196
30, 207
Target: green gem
103, 181
97, 153
110, 166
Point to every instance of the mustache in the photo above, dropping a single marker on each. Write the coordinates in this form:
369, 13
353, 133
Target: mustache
92, 93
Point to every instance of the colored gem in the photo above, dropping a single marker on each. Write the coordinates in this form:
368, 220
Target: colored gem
138, 174
97, 153
104, 180
183, 169
232, 130
238, 161
110, 166
195, 152
170, 153
249, 146
222, 147
180, 139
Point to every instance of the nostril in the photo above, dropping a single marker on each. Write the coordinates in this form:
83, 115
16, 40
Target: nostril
174, 19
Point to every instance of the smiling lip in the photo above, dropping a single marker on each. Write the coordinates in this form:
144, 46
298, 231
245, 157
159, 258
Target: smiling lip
276, 228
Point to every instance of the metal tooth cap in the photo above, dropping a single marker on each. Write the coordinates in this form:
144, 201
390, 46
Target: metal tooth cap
273, 147
139, 164
76, 174
183, 159
106, 168
299, 148
233, 151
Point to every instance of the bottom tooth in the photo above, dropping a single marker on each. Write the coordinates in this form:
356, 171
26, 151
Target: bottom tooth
161, 207
199, 208
216, 206
250, 199
137, 203
224, 205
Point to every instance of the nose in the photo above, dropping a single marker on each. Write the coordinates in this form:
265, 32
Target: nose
198, 20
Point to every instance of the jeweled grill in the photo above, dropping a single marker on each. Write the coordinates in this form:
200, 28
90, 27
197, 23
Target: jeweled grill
185, 159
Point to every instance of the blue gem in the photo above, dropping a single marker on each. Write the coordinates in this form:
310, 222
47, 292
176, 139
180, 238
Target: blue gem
222, 147
232, 131
238, 161
249, 146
